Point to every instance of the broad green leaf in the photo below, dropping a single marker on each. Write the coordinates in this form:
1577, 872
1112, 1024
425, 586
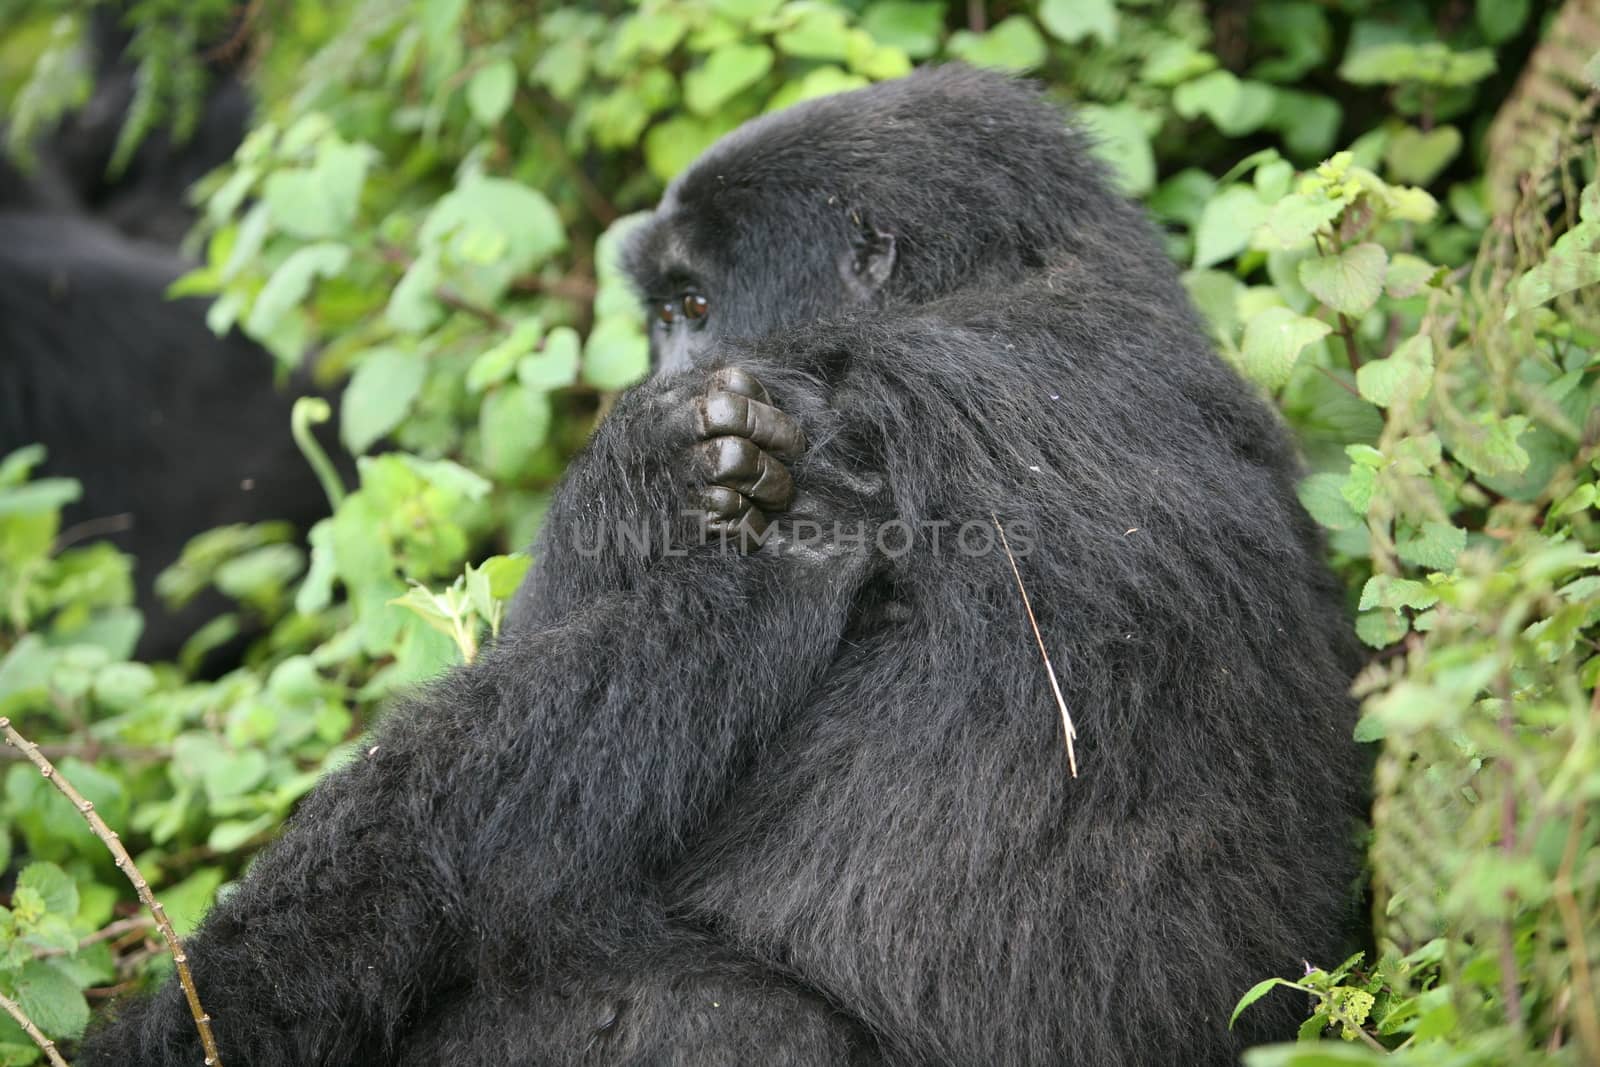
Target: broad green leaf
823, 81
289, 284
1417, 158
1436, 545
51, 999
556, 366
913, 26
1273, 341
725, 74
1294, 221
1573, 263
512, 423
817, 33
1226, 225
1073, 20
1349, 281
1013, 44
1323, 498
499, 362
1121, 139
380, 393
616, 354
490, 91
57, 891
1501, 20
1402, 378
1234, 106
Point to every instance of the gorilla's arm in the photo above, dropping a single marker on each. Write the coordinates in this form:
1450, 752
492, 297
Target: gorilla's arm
500, 811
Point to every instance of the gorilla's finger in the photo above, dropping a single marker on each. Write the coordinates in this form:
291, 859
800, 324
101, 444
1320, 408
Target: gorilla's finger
736, 463
738, 380
720, 502
726, 413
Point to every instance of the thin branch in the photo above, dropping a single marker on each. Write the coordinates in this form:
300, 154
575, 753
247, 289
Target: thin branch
1055, 687
125, 864
15, 1011
142, 923
89, 751
451, 299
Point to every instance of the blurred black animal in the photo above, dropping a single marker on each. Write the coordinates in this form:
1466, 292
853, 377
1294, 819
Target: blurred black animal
171, 429
809, 804
148, 199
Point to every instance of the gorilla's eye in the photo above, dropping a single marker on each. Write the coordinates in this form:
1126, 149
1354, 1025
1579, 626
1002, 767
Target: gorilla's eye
667, 312
696, 306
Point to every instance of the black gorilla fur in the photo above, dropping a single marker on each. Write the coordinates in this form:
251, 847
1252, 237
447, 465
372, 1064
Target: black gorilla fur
810, 805
170, 429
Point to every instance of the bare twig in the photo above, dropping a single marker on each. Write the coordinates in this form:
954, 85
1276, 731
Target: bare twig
1055, 687
117, 929
125, 864
92, 750
28, 1027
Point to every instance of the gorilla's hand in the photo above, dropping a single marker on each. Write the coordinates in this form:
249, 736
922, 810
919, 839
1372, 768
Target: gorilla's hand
742, 438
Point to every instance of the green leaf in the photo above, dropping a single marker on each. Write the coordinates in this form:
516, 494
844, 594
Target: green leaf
1273, 341
1402, 378
1013, 44
380, 393
556, 367
817, 33
1073, 20
1501, 20
186, 901
1315, 1054
290, 283
913, 26
1417, 158
1348, 282
1573, 263
1295, 221
1121, 140
1379, 629
1436, 546
1255, 993
51, 1000
1234, 106
320, 201
1322, 495
616, 354
490, 91
34, 498
57, 890
725, 74
512, 423
497, 363
1226, 225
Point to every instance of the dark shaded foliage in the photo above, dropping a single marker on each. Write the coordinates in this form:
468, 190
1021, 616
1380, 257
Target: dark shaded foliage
810, 804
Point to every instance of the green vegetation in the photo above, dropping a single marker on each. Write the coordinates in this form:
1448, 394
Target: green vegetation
1387, 211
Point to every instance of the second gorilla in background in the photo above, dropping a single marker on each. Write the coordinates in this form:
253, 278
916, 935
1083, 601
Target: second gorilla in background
809, 804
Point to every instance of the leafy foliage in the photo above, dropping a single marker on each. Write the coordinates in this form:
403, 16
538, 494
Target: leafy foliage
430, 202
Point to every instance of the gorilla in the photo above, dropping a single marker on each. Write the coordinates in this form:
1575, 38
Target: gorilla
170, 429
782, 779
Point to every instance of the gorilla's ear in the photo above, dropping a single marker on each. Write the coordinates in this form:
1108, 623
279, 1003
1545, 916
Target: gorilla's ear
870, 261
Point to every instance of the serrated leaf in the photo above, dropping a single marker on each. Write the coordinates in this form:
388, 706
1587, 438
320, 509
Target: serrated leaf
1323, 498
380, 393
51, 1000
1273, 341
1348, 282
56, 889
1436, 546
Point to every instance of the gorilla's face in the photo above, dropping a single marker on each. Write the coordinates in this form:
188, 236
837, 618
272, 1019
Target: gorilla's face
729, 256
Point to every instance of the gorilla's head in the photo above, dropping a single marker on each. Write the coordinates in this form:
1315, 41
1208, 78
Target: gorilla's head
896, 194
